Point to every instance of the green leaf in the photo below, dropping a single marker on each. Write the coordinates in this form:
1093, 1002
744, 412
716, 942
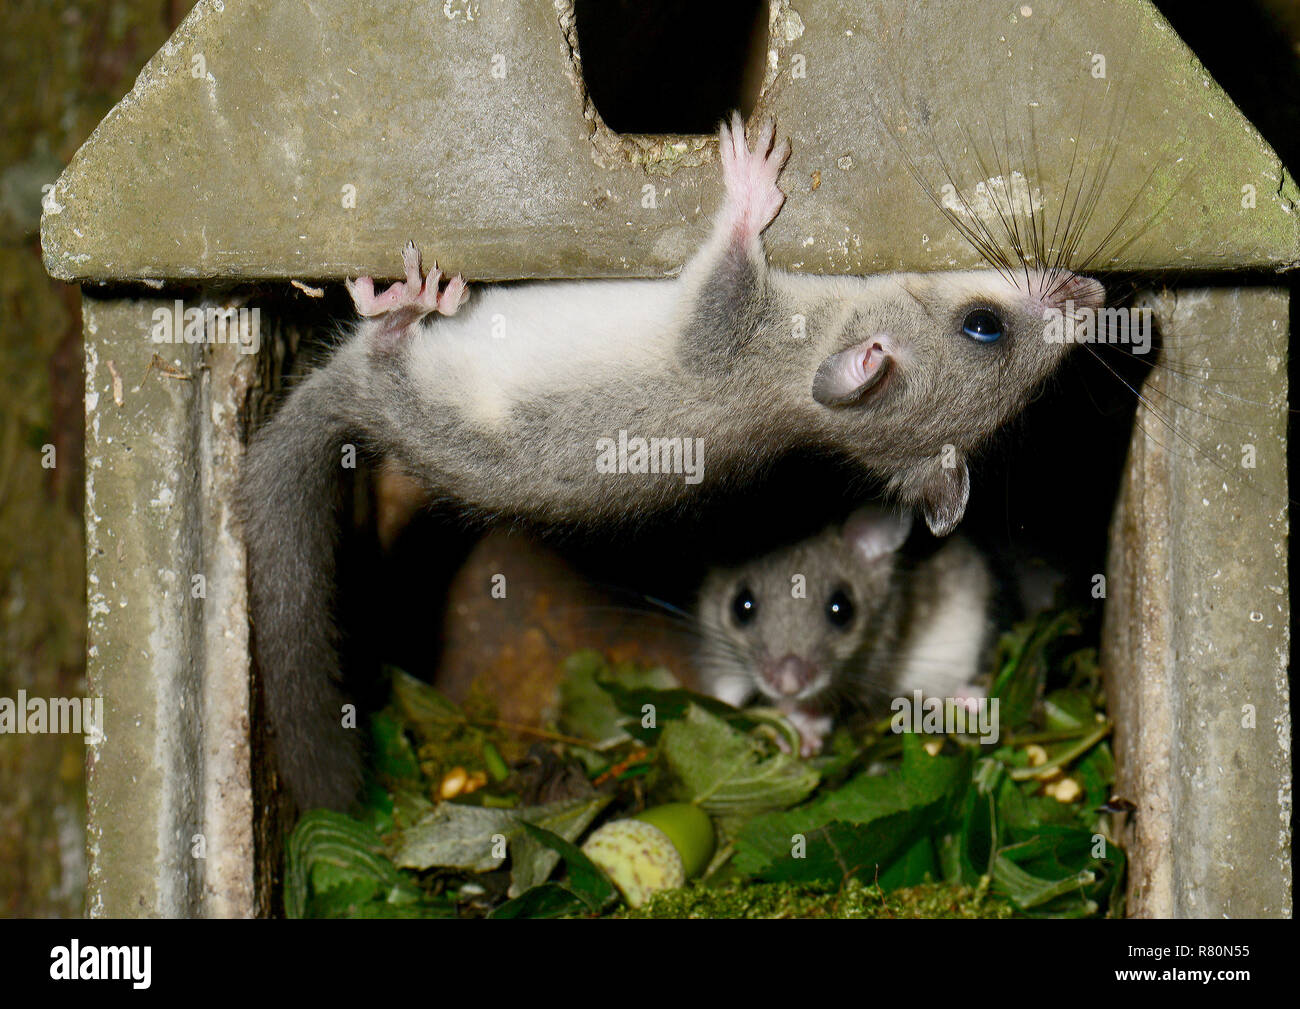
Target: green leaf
1067, 709
587, 708
457, 836
423, 708
728, 773
668, 706
549, 900
377, 808
392, 754
866, 851
409, 804
863, 825
1023, 662
1027, 891
1053, 872
531, 860
454, 836
915, 866
585, 879
335, 866
496, 764
339, 887
1096, 773
976, 838
1023, 811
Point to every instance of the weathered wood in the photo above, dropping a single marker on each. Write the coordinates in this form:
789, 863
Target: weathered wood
170, 807
273, 139
1197, 637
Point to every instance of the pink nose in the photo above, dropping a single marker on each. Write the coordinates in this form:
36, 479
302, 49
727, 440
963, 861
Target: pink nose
789, 675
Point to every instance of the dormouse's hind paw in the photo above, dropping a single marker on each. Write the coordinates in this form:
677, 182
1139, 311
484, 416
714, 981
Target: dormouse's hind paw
411, 299
753, 198
451, 297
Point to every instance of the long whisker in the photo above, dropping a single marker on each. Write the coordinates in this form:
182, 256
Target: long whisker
1167, 422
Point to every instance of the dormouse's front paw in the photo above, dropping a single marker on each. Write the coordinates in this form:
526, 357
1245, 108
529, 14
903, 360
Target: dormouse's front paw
813, 727
969, 697
411, 299
753, 198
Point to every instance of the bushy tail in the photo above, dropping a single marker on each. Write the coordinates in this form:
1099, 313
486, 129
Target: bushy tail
290, 493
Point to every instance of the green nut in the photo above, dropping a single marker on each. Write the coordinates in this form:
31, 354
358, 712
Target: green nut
638, 857
658, 849
1066, 710
690, 830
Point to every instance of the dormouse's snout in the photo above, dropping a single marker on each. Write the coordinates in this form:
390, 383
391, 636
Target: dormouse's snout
1041, 294
1082, 292
1067, 302
789, 676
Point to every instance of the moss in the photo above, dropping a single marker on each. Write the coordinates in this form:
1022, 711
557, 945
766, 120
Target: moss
801, 900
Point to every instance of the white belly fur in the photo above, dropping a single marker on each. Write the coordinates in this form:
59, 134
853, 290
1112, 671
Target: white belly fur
512, 342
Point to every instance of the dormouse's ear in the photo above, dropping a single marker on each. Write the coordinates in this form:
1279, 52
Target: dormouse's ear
944, 495
872, 532
845, 377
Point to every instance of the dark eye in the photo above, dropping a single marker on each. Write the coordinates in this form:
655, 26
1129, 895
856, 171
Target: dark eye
839, 609
983, 326
744, 607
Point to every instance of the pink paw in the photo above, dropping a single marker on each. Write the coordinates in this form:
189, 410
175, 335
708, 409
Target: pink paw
813, 729
753, 198
969, 697
410, 299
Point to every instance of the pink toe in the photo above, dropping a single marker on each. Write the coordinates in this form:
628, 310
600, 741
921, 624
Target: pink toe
362, 291
453, 296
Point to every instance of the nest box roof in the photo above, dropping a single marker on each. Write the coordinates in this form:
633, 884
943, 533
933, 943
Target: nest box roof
275, 139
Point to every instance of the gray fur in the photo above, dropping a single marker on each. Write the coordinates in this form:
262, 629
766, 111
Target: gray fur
508, 426
901, 606
289, 498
